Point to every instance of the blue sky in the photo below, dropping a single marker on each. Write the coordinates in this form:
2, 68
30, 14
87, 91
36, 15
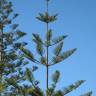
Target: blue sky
77, 18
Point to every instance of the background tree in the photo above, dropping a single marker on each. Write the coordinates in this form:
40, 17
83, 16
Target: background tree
43, 51
10, 62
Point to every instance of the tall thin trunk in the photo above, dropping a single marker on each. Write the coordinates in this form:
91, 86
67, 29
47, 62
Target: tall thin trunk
47, 68
47, 73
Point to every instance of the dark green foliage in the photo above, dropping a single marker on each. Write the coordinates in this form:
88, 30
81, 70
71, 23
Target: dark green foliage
11, 63
56, 76
19, 34
58, 39
43, 60
36, 38
62, 56
14, 26
25, 89
58, 93
39, 48
12, 60
39, 45
12, 81
48, 38
87, 94
42, 48
15, 15
47, 18
55, 79
58, 49
72, 87
27, 53
36, 92
59, 56
29, 75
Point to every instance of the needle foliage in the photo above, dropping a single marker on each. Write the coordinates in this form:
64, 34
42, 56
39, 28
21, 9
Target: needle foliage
15, 80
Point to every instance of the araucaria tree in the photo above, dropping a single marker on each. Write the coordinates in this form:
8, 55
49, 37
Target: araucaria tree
42, 48
10, 62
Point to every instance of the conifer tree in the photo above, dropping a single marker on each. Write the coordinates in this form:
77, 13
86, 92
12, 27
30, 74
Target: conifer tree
7, 41
10, 62
43, 52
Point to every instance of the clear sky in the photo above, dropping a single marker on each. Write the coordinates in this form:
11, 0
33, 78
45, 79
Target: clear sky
77, 18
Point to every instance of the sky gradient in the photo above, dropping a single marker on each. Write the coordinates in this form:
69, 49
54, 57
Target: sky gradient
77, 18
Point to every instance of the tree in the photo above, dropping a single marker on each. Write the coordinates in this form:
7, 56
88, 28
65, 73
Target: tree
10, 62
59, 56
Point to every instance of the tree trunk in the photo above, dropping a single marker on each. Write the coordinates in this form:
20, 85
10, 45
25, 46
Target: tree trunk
47, 71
